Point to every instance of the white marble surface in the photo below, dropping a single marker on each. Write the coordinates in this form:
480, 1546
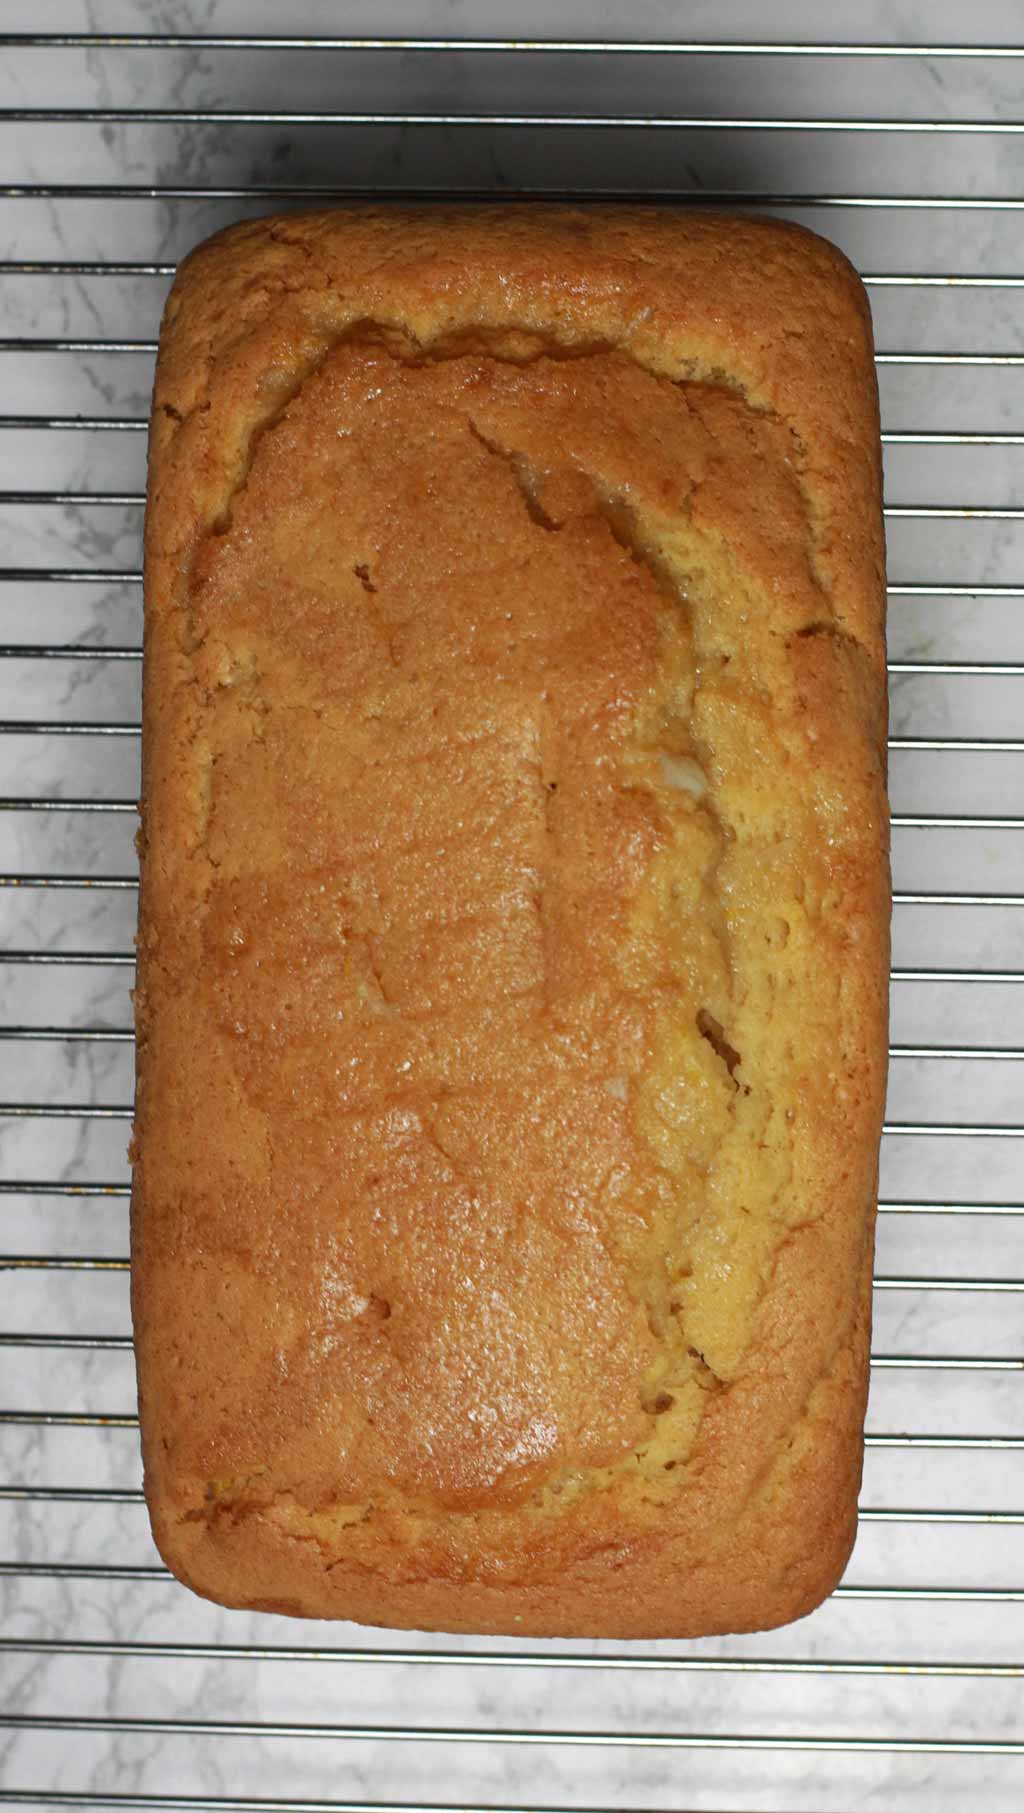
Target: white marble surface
628, 1701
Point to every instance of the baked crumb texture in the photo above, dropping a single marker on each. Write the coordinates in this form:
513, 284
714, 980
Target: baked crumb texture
513, 942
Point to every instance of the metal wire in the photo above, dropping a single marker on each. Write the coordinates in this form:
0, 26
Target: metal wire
69, 1187
602, 1740
620, 122
921, 1595
58, 803
196, 1803
9, 345
623, 1664
126, 959
715, 198
110, 424
137, 499
94, 40
85, 267
900, 898
882, 1362
122, 1111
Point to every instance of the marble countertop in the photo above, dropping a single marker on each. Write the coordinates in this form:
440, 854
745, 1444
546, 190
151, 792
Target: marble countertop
694, 1726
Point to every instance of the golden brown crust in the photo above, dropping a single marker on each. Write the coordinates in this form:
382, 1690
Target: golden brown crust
656, 435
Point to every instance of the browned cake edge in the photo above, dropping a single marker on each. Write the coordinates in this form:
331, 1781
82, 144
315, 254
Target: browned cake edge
781, 315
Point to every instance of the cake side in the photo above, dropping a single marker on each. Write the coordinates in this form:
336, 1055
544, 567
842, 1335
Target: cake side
681, 817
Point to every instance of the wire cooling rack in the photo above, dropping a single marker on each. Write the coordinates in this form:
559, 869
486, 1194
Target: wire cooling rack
904, 1692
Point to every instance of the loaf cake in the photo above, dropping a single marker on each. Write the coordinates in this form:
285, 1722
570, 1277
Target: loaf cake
512, 957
